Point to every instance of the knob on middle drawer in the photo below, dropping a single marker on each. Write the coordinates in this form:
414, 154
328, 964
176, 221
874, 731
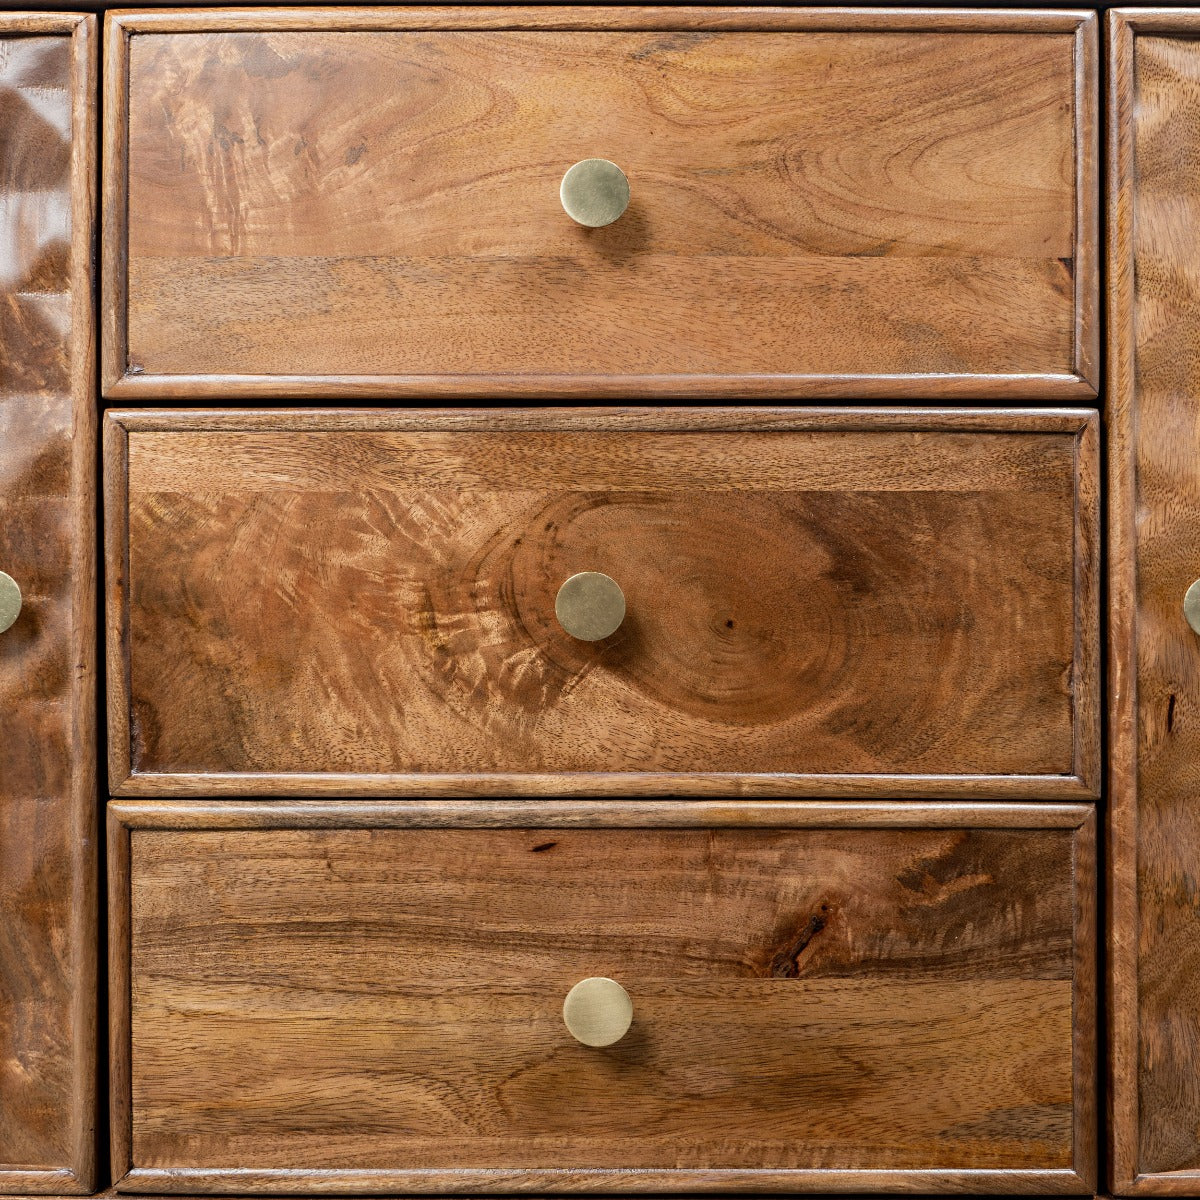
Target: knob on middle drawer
590, 606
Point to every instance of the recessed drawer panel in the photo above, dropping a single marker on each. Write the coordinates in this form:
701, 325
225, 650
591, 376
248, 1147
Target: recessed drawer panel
845, 601
819, 202
372, 997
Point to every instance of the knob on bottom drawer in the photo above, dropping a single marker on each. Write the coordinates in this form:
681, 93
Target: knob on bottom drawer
598, 1011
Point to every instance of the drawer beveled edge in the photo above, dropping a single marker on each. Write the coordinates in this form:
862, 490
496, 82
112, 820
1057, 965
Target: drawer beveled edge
123, 817
1081, 382
1082, 783
187, 1181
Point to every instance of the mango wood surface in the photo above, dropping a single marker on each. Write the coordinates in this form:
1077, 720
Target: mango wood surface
837, 601
1154, 513
332, 202
373, 1007
48, 800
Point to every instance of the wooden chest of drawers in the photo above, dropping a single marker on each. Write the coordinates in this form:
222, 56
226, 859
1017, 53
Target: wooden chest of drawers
692, 781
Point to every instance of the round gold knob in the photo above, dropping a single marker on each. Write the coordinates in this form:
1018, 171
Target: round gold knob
10, 601
1191, 606
598, 1011
594, 192
590, 606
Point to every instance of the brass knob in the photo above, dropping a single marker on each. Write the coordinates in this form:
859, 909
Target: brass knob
10, 601
594, 192
598, 1011
1191, 606
590, 606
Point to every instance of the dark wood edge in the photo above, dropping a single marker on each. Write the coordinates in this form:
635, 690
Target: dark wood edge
119, 983
125, 815
110, 1192
1085, 1018
1043, 788
50, 1181
114, 240
1121, 872
121, 386
1165, 1183
732, 419
1152, 20
1088, 711
116, 622
85, 822
566, 18
561, 1182
43, 23
1087, 202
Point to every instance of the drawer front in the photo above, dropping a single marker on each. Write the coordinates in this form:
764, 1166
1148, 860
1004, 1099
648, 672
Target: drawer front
48, 805
843, 601
371, 998
823, 202
1154, 514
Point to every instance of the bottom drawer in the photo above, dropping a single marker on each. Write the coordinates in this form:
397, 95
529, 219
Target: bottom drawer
369, 997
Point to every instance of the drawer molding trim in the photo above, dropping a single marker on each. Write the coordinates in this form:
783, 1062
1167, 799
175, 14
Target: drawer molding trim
186, 1180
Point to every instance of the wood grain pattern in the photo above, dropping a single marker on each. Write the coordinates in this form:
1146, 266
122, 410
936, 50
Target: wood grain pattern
1121, 503
836, 975
814, 601
1154, 511
48, 800
297, 204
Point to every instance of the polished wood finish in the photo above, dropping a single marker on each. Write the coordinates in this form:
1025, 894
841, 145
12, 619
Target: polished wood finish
825, 203
48, 799
1154, 521
309, 1005
830, 601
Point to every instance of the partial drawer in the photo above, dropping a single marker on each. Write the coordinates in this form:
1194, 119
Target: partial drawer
842, 602
821, 202
349, 998
49, 820
1153, 490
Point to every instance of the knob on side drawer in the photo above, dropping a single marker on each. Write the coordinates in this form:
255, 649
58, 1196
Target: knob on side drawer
10, 601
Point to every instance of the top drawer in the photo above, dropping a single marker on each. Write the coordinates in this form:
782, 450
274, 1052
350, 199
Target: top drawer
823, 203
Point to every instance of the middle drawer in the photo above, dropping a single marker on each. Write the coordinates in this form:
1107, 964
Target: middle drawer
826, 601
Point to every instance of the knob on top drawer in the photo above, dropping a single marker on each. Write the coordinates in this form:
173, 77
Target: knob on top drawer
594, 192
